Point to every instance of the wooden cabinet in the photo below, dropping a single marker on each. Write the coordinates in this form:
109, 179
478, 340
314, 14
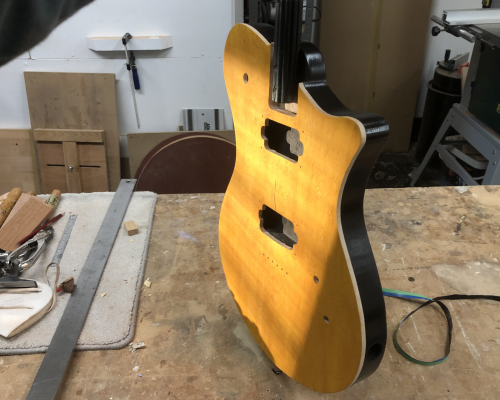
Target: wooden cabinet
374, 55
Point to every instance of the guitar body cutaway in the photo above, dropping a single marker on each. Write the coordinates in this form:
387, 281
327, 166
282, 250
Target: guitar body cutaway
292, 237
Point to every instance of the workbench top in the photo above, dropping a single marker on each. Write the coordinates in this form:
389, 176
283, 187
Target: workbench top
431, 241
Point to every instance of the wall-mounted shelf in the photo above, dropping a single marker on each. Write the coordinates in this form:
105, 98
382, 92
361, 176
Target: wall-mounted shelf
114, 43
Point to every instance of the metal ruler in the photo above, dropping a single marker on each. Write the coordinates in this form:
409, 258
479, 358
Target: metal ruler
55, 362
64, 239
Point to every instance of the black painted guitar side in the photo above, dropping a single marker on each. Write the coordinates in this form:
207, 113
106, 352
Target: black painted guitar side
311, 72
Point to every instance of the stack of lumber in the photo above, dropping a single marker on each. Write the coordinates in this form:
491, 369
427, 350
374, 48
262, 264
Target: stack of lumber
20, 214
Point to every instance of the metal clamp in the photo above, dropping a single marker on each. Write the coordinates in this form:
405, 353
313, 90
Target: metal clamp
28, 253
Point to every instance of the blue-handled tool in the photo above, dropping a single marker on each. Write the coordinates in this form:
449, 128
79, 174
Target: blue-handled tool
125, 40
135, 74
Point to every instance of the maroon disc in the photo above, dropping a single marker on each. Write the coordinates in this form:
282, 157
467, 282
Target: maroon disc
193, 162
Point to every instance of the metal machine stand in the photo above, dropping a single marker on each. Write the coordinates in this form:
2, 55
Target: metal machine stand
483, 138
479, 135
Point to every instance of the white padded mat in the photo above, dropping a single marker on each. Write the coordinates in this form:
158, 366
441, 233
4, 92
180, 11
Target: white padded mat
110, 323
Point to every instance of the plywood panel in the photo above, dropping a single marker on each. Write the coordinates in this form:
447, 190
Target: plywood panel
18, 166
374, 55
68, 135
72, 167
346, 47
77, 101
140, 144
92, 154
399, 67
91, 162
93, 179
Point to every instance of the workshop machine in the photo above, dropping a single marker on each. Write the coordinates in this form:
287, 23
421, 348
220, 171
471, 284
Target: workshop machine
477, 117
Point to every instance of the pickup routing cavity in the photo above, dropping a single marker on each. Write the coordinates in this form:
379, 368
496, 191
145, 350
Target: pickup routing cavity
277, 227
282, 140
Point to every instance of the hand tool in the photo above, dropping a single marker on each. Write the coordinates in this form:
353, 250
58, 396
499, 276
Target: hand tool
55, 362
13, 264
45, 225
125, 40
54, 198
135, 73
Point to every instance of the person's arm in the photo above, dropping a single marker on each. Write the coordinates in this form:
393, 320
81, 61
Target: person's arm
25, 23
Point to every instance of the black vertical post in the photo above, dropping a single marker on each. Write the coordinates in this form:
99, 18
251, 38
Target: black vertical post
286, 49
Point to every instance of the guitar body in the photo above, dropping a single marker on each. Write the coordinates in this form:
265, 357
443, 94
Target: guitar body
292, 237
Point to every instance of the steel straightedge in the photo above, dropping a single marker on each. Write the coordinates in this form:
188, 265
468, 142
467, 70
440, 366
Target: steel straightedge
55, 363
64, 239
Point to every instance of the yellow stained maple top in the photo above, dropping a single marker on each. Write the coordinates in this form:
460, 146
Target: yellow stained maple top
300, 303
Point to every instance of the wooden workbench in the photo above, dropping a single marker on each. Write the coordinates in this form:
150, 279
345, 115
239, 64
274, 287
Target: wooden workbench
431, 241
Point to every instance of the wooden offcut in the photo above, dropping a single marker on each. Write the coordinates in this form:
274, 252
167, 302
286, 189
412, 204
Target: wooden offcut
131, 228
23, 199
274, 287
17, 157
31, 215
81, 101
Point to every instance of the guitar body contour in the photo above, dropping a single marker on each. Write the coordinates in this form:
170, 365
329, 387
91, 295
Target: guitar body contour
292, 237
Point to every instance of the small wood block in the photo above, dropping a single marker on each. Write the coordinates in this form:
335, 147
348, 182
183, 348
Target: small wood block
131, 228
33, 214
67, 286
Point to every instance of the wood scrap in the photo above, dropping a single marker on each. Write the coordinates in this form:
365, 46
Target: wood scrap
33, 214
131, 228
67, 286
8, 204
20, 204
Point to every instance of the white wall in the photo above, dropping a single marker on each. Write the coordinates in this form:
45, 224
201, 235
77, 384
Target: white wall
436, 46
189, 75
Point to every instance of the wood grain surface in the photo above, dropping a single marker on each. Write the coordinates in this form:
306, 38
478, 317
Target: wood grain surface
90, 159
29, 217
20, 204
72, 167
198, 346
18, 168
68, 135
300, 304
84, 101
